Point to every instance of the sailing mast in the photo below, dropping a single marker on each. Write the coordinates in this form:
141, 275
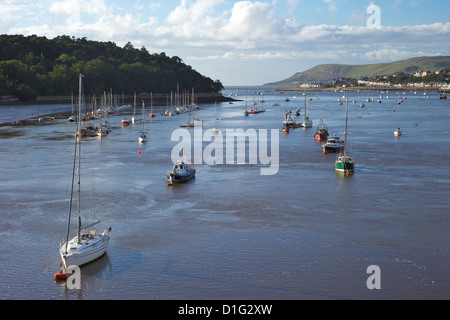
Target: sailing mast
134, 108
345, 134
79, 164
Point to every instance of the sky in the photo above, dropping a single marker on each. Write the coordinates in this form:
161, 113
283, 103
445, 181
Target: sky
246, 43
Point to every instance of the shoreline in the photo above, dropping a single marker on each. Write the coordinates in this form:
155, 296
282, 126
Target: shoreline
158, 99
432, 89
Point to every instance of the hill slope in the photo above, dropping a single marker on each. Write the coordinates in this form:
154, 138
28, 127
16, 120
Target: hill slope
328, 72
32, 66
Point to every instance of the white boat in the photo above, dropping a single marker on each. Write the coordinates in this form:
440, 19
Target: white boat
192, 122
102, 130
306, 123
88, 244
289, 121
143, 133
333, 144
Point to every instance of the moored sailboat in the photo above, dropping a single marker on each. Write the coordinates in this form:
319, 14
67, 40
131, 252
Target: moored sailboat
397, 131
306, 123
143, 133
133, 118
344, 162
88, 244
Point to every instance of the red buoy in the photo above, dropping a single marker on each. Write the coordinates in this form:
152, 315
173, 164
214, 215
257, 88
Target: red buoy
139, 151
151, 115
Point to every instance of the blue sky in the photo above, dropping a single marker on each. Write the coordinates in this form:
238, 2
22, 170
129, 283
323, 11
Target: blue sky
245, 42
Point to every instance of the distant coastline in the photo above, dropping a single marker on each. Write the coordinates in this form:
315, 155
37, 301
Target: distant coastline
403, 88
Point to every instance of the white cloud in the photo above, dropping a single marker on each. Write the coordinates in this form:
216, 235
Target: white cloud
85, 7
250, 20
8, 17
202, 31
332, 6
194, 19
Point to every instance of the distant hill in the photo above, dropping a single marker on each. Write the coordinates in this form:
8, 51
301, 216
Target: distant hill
328, 72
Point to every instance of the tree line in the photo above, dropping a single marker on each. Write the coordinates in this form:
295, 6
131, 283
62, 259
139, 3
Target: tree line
32, 66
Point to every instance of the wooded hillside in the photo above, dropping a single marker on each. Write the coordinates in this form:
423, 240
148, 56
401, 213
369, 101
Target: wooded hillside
32, 66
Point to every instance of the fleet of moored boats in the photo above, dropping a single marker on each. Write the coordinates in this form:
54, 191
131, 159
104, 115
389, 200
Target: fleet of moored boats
89, 244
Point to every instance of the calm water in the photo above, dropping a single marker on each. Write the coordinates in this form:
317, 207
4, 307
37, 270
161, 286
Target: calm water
304, 233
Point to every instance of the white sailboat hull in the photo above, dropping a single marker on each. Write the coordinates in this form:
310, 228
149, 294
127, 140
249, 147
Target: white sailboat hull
306, 124
91, 247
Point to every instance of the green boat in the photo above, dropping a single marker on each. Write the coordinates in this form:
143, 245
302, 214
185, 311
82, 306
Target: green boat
344, 162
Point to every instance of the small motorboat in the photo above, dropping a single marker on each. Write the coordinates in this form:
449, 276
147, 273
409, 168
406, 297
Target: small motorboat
289, 122
182, 171
333, 144
125, 122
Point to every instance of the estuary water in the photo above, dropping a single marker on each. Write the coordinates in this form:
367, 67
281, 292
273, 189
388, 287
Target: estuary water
303, 233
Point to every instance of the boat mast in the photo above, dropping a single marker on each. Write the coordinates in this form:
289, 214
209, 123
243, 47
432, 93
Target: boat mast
77, 134
345, 138
134, 106
306, 107
143, 115
79, 164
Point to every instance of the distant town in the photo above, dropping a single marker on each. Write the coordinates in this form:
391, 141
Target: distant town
422, 79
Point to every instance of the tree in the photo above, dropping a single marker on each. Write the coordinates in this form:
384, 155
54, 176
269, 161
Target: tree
50, 67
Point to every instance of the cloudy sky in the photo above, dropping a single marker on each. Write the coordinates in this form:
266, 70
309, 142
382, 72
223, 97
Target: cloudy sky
246, 42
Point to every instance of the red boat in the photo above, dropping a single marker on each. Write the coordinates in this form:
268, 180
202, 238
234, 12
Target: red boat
321, 131
125, 122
